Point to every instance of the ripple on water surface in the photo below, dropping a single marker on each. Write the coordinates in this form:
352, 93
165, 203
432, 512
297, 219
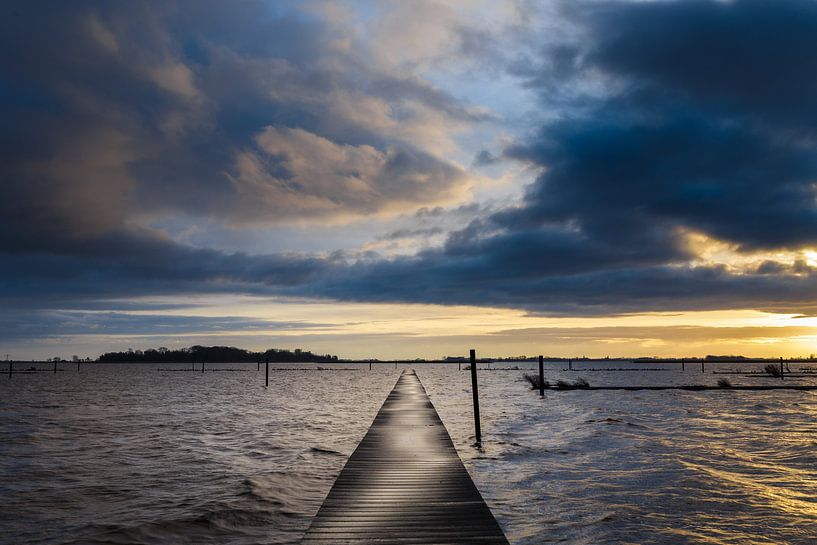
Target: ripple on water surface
130, 455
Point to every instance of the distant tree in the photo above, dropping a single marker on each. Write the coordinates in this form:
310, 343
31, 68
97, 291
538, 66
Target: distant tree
213, 354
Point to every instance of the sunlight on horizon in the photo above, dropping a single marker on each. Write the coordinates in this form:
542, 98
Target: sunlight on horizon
432, 331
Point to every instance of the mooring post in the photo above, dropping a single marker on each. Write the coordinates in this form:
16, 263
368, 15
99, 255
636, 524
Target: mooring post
266, 378
781, 368
10, 364
459, 366
55, 367
541, 375
702, 366
682, 364
258, 365
569, 364
202, 366
370, 366
77, 366
475, 395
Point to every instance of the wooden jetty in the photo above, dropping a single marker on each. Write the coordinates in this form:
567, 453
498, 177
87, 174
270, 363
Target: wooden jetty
405, 483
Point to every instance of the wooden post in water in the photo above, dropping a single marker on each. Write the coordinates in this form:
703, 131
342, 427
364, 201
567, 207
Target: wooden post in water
702, 366
569, 364
55, 367
370, 366
266, 379
459, 366
781, 368
77, 366
682, 364
475, 395
202, 366
541, 375
258, 365
10, 364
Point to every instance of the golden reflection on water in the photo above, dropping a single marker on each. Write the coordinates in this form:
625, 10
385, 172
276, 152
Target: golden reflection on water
715, 536
788, 500
714, 468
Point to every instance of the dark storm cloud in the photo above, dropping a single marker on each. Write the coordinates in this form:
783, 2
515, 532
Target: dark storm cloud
623, 179
676, 117
41, 324
705, 124
139, 263
112, 115
749, 58
487, 280
708, 124
115, 111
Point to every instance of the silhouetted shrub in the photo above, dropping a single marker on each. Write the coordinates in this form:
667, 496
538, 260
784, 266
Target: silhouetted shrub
772, 369
533, 380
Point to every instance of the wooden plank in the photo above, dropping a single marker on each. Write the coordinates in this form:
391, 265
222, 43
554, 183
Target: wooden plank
405, 483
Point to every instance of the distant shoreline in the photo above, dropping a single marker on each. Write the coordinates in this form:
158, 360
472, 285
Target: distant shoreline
690, 360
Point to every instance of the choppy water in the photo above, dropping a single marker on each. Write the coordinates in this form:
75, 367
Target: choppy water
131, 455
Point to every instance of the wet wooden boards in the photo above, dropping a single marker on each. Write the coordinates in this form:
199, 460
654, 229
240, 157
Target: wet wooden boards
405, 483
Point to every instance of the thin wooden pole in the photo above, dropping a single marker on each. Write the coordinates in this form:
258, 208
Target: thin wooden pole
10, 365
541, 375
475, 395
682, 364
266, 378
202, 366
702, 366
370, 366
258, 365
55, 367
569, 364
781, 368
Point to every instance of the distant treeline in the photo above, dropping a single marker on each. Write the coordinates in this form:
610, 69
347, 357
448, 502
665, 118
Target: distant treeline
214, 354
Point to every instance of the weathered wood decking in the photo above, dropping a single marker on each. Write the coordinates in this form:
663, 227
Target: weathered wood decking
405, 483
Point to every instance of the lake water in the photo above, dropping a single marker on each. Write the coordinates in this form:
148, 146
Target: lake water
126, 454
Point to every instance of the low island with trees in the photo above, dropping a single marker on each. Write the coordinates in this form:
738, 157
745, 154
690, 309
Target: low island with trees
219, 354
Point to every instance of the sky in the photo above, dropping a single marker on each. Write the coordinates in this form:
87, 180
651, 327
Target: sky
409, 179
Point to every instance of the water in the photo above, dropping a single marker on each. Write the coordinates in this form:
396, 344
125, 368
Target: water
128, 454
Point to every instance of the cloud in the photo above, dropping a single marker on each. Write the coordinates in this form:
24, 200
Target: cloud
412, 233
663, 118
652, 145
744, 58
55, 324
138, 263
125, 114
294, 174
485, 158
